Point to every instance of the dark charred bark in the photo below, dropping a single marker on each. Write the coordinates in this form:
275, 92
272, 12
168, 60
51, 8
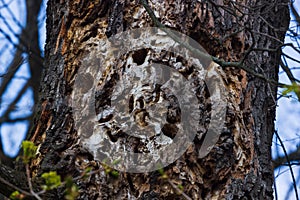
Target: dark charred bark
238, 166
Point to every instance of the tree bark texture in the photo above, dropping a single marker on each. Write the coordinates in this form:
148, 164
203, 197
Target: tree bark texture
238, 166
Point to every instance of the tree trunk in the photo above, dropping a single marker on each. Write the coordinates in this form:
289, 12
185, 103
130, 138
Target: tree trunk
238, 166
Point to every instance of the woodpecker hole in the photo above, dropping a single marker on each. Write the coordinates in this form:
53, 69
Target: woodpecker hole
139, 56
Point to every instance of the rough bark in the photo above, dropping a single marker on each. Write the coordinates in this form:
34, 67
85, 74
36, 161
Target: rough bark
238, 166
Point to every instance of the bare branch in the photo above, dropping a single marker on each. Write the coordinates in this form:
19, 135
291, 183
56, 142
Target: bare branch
289, 164
292, 157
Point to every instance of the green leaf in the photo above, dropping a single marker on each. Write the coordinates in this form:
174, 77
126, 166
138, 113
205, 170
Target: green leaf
292, 88
29, 151
161, 171
52, 180
107, 170
114, 173
117, 161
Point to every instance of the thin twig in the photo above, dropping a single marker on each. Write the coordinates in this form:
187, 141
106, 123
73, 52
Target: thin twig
30, 184
15, 187
178, 190
269, 36
288, 72
289, 164
291, 58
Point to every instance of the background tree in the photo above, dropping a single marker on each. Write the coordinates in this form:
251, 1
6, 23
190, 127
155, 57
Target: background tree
27, 51
249, 37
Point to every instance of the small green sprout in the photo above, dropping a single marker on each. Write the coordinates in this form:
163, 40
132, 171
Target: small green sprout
16, 195
180, 187
114, 173
71, 189
29, 151
162, 173
86, 172
52, 180
72, 193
